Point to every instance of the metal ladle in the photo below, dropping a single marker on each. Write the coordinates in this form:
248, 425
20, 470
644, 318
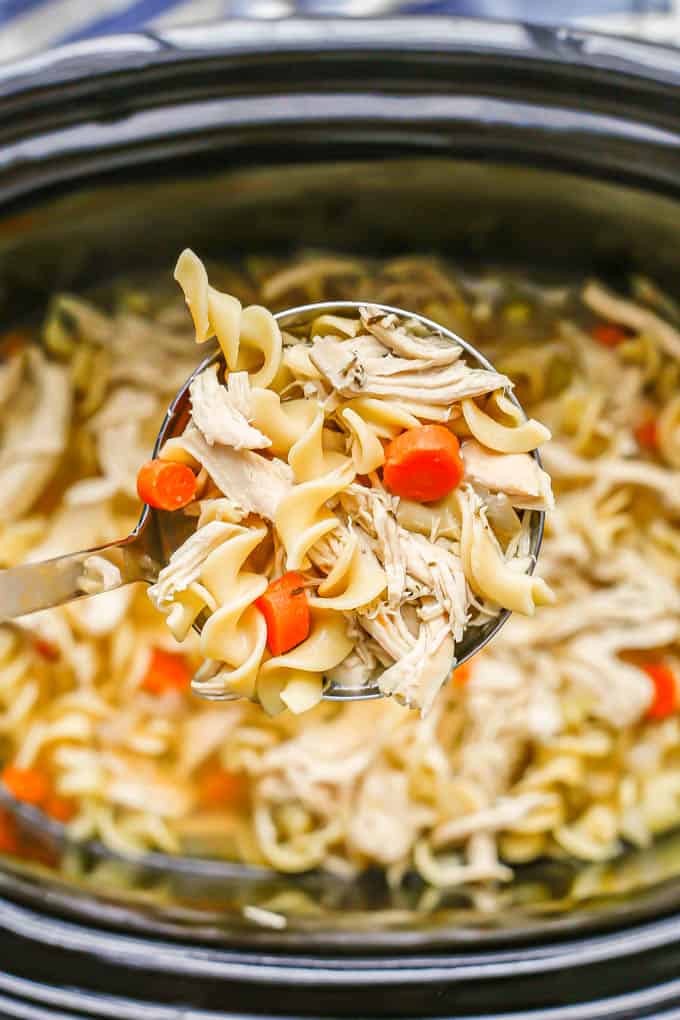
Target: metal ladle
141, 555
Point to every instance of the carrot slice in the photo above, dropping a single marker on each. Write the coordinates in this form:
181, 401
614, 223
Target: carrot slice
62, 809
167, 671
165, 484
29, 785
46, 650
609, 334
286, 610
423, 464
220, 788
646, 434
665, 698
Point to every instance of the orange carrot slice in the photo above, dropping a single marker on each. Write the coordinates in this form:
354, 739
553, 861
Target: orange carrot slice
166, 485
219, 788
665, 698
46, 650
462, 673
62, 809
286, 610
609, 334
30, 785
423, 464
166, 671
646, 434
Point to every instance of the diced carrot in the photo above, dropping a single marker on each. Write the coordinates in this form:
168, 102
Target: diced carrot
9, 833
166, 485
286, 610
62, 809
609, 334
167, 671
30, 785
646, 434
665, 699
462, 673
219, 788
46, 649
423, 464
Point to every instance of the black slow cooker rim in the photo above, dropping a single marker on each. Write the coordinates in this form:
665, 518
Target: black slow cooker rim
100, 78
84, 965
89, 66
88, 108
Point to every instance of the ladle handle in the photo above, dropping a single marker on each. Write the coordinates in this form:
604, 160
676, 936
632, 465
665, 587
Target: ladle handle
33, 586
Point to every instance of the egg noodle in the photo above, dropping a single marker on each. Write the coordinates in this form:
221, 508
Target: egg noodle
561, 738
287, 456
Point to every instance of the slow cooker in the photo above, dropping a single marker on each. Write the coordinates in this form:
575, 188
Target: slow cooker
496, 142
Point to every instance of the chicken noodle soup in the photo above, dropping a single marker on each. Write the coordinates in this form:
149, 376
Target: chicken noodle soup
326, 471
559, 738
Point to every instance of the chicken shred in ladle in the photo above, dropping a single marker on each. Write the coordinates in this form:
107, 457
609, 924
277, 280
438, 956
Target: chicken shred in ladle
142, 554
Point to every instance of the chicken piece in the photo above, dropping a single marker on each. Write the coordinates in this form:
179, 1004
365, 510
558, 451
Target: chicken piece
204, 733
74, 528
385, 820
126, 404
356, 670
144, 786
253, 483
122, 445
505, 814
145, 354
35, 433
413, 564
358, 369
434, 349
70, 318
186, 563
517, 475
621, 692
388, 628
219, 412
608, 472
636, 317
416, 677
387, 533
103, 615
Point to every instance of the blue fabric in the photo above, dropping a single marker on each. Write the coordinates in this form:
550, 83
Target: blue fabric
13, 8
136, 16
98, 19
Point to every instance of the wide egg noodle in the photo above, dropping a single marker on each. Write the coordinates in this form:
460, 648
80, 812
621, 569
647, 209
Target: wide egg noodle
235, 632
221, 315
295, 680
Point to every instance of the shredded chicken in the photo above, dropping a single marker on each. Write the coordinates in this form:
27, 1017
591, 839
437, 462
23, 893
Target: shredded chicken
35, 432
400, 340
633, 315
548, 742
517, 475
607, 473
218, 412
417, 676
186, 562
355, 368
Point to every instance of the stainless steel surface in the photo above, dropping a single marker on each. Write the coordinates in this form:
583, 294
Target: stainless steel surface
140, 556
